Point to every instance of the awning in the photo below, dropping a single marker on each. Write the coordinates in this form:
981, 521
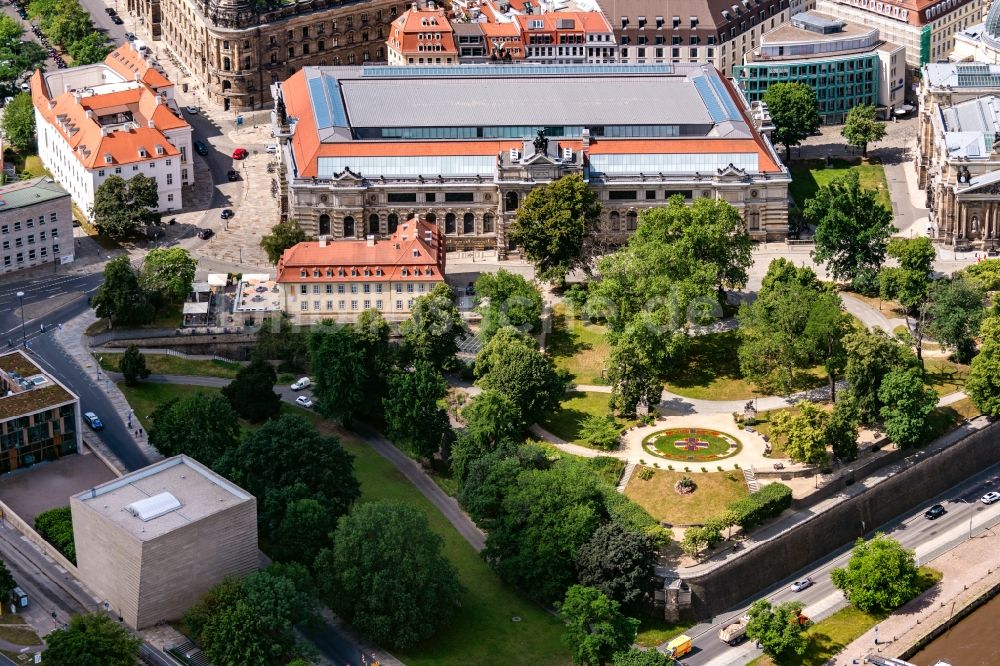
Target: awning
195, 308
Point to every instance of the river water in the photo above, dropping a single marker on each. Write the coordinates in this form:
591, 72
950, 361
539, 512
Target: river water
971, 642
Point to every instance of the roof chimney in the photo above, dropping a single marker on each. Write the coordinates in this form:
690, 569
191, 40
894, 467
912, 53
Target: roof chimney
322, 241
370, 240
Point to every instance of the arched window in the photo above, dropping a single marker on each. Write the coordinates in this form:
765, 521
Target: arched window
373, 224
614, 221
449, 223
630, 220
487, 223
393, 221
227, 85
510, 202
226, 65
324, 225
469, 224
348, 227
431, 217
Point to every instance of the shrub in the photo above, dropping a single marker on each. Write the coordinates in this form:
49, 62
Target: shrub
685, 486
704, 469
767, 502
56, 527
600, 432
670, 467
646, 473
720, 467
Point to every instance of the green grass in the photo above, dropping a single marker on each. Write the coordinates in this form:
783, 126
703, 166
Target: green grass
169, 316
946, 419
19, 634
663, 443
715, 490
482, 632
91, 230
161, 364
655, 631
944, 376
567, 421
809, 175
578, 347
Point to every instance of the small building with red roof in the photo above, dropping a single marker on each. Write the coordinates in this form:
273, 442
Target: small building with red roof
116, 118
421, 37
339, 280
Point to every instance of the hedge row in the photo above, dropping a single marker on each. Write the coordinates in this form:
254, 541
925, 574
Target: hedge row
766, 503
56, 527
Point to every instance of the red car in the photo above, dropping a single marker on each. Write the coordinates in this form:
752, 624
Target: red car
240, 154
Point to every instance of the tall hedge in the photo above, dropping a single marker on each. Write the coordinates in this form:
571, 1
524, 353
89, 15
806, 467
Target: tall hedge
56, 527
767, 502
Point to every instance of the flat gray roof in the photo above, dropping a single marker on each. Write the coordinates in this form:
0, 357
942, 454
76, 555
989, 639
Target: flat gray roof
962, 75
30, 192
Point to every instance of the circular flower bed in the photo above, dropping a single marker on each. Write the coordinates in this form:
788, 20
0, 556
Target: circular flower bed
691, 444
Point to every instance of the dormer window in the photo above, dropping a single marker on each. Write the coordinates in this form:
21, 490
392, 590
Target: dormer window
416, 252
624, 22
405, 272
694, 21
642, 21
329, 272
378, 272
142, 152
108, 159
659, 21
354, 272
315, 272
368, 273
303, 273
340, 272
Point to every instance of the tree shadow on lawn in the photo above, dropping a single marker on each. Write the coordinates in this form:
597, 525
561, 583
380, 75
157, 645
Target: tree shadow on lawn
562, 342
567, 422
708, 358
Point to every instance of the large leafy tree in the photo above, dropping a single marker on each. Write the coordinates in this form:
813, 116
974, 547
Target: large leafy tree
303, 532
637, 657
279, 340
777, 629
121, 207
121, 298
794, 111
169, 272
805, 432
852, 227
434, 327
92, 638
19, 122
596, 629
871, 355
881, 575
413, 417
956, 311
826, 327
133, 366
89, 49
201, 425
283, 236
906, 406
7, 581
507, 299
983, 384
910, 282
387, 576
551, 225
371, 331
511, 364
251, 393
17, 56
337, 360
863, 127
640, 356
842, 430
492, 422
619, 562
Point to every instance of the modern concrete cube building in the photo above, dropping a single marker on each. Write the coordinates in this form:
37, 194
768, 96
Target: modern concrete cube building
152, 542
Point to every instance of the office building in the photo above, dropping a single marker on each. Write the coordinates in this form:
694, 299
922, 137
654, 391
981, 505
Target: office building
36, 224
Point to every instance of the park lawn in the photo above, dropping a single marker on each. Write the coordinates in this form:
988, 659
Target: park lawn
809, 175
946, 419
482, 631
714, 492
161, 364
578, 347
14, 630
168, 316
566, 421
656, 631
944, 376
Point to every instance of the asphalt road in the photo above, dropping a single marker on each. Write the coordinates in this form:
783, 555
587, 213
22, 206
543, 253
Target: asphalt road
822, 599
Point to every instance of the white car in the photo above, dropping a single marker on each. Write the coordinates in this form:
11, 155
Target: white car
990, 497
800, 585
301, 384
271, 148
303, 401
193, 110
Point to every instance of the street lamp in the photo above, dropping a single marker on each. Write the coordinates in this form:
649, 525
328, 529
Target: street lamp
24, 339
959, 499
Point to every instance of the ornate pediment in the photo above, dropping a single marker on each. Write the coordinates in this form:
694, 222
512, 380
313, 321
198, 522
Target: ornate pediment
347, 175
991, 189
731, 172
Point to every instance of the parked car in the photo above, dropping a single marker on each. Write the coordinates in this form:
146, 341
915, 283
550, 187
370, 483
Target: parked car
232, 175
301, 384
226, 213
205, 234
130, 36
800, 585
271, 148
990, 497
240, 154
93, 421
303, 401
934, 512
110, 11
200, 148
117, 20
193, 110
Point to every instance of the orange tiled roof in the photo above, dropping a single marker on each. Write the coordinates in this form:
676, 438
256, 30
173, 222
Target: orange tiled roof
583, 22
409, 32
128, 62
349, 260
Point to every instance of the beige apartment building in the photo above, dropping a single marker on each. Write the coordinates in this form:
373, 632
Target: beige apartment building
152, 542
36, 224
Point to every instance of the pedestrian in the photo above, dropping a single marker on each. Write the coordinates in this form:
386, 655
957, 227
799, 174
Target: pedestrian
140, 432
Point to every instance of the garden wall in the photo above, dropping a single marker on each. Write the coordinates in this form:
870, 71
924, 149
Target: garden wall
927, 474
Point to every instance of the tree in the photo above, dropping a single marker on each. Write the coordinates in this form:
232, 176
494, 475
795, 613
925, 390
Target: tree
168, 272
19, 122
880, 577
871, 355
413, 417
907, 405
133, 366
17, 56
777, 629
120, 298
92, 638
619, 562
804, 432
89, 49
339, 372
434, 327
794, 111
303, 532
551, 224
121, 207
395, 595
956, 311
371, 331
639, 358
910, 282
637, 657
251, 393
507, 299
862, 127
511, 364
852, 227
283, 236
491, 417
7, 581
826, 327
602, 432
279, 340
983, 384
842, 430
595, 627
201, 425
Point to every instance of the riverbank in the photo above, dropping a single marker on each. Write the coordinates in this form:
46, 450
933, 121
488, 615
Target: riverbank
969, 571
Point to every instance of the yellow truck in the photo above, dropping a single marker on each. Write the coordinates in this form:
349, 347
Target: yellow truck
678, 647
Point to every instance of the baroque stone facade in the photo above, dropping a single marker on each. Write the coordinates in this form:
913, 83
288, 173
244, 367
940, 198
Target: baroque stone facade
236, 49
